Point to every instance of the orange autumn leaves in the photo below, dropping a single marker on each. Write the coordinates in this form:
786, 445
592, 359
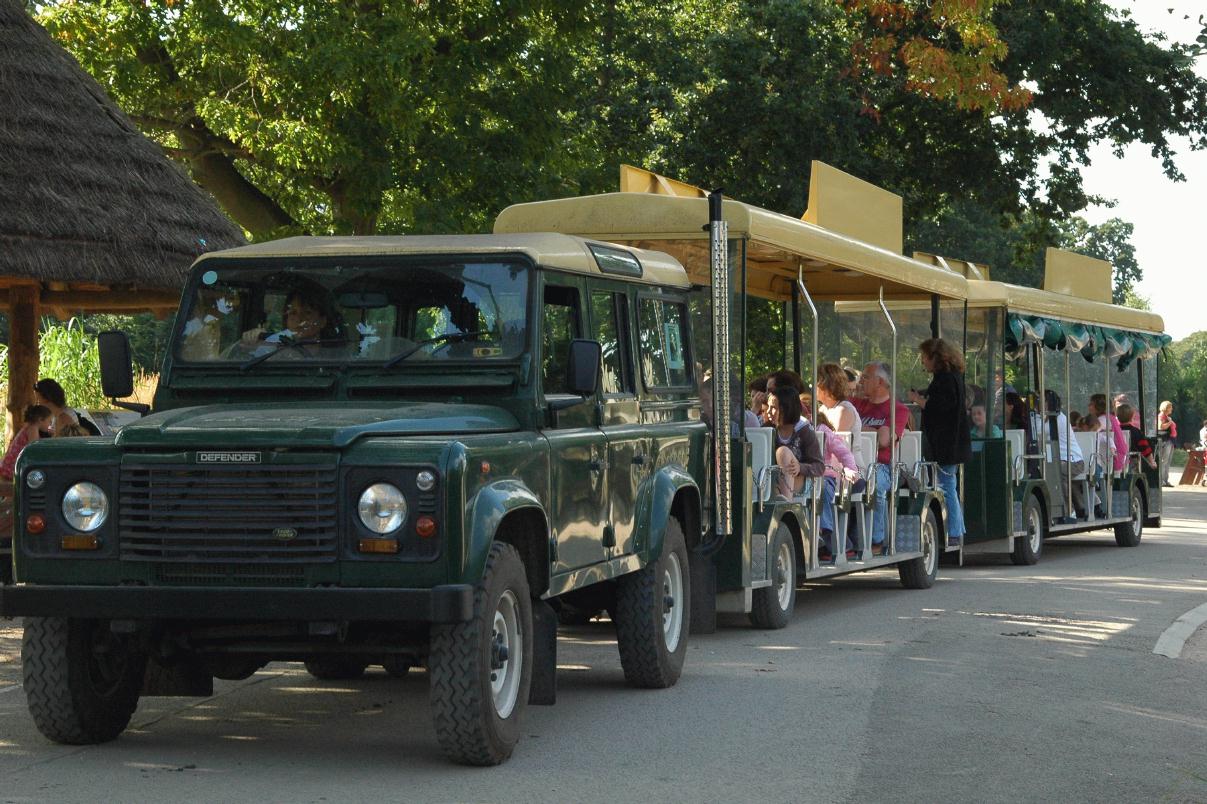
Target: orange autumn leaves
943, 49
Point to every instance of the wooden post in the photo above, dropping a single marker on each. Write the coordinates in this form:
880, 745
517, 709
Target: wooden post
22, 351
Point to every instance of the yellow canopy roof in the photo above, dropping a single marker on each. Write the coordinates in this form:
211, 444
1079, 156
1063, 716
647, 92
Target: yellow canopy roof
1032, 301
777, 246
550, 250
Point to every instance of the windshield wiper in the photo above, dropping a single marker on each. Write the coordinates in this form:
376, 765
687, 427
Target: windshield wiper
448, 337
286, 342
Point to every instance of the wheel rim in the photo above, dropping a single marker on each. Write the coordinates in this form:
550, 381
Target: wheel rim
507, 654
672, 602
1034, 531
929, 554
1137, 524
783, 576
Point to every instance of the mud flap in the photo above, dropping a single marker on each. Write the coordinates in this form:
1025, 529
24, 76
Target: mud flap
703, 578
909, 533
543, 691
179, 679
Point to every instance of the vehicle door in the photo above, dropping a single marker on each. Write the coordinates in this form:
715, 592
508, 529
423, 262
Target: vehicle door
577, 451
628, 457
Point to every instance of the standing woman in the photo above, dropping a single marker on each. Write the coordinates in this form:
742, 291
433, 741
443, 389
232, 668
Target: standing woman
1167, 436
945, 431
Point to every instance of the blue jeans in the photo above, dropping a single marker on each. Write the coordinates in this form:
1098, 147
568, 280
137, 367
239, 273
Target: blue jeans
955, 513
826, 516
882, 490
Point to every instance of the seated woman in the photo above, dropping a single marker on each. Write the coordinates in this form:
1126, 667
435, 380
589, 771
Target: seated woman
797, 452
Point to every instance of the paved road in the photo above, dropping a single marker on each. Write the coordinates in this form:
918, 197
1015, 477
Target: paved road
1001, 683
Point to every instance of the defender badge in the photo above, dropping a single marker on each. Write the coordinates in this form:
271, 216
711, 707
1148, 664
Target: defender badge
228, 457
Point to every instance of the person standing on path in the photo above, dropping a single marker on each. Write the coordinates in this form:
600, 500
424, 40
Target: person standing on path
1167, 436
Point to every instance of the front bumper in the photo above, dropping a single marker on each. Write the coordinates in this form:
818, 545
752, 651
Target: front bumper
453, 603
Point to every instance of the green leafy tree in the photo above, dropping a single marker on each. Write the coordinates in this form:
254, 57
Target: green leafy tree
341, 117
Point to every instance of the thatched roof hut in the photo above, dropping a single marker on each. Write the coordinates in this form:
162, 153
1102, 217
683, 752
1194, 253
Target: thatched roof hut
93, 215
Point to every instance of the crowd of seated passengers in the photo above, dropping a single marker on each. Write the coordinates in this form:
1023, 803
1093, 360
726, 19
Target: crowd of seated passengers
778, 400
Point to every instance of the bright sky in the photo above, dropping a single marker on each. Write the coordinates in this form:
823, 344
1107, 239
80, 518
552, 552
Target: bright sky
1170, 217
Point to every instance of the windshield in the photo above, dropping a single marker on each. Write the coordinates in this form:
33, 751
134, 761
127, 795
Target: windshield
347, 312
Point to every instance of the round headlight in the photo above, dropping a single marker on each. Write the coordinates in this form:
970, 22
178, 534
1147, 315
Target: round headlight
85, 506
382, 508
35, 479
425, 480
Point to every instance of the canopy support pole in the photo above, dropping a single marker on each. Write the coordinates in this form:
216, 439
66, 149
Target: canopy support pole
890, 507
718, 244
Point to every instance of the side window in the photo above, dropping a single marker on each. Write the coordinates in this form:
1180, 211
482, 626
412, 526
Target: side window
609, 311
663, 336
561, 325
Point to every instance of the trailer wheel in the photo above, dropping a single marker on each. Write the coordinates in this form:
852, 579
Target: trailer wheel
336, 668
920, 572
480, 671
653, 616
81, 681
397, 666
1028, 549
771, 606
1127, 534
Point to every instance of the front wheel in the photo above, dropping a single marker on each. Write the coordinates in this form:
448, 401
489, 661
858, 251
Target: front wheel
480, 671
771, 606
1028, 549
81, 681
1127, 534
920, 572
652, 616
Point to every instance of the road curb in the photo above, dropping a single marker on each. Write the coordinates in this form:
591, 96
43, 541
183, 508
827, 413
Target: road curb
1173, 639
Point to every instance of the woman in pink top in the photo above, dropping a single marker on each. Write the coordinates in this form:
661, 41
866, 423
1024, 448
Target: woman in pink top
838, 458
37, 417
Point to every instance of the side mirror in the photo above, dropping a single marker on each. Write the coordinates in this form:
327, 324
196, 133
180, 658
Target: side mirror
582, 369
117, 375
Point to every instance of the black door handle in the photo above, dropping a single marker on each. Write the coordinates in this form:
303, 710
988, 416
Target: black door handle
639, 460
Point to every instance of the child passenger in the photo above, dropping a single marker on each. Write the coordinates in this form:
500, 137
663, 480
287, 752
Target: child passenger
37, 418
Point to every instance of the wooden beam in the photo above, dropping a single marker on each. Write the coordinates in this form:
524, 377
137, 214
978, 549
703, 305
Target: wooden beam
22, 351
107, 301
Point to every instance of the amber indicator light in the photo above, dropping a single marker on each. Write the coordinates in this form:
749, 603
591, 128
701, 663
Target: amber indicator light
35, 523
378, 545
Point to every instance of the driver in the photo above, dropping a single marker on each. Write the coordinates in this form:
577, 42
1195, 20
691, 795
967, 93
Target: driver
306, 319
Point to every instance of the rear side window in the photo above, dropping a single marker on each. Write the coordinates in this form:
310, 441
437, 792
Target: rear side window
663, 334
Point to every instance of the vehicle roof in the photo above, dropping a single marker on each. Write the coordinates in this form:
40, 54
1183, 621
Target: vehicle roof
1032, 301
777, 246
558, 251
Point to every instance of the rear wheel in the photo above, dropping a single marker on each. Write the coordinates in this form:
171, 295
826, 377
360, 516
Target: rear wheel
920, 572
336, 668
481, 671
81, 681
652, 616
771, 606
1127, 534
1028, 549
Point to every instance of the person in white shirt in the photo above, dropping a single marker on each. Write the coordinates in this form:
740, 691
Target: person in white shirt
1072, 462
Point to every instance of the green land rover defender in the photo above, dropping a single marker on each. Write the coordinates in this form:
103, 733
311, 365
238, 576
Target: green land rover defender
404, 451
